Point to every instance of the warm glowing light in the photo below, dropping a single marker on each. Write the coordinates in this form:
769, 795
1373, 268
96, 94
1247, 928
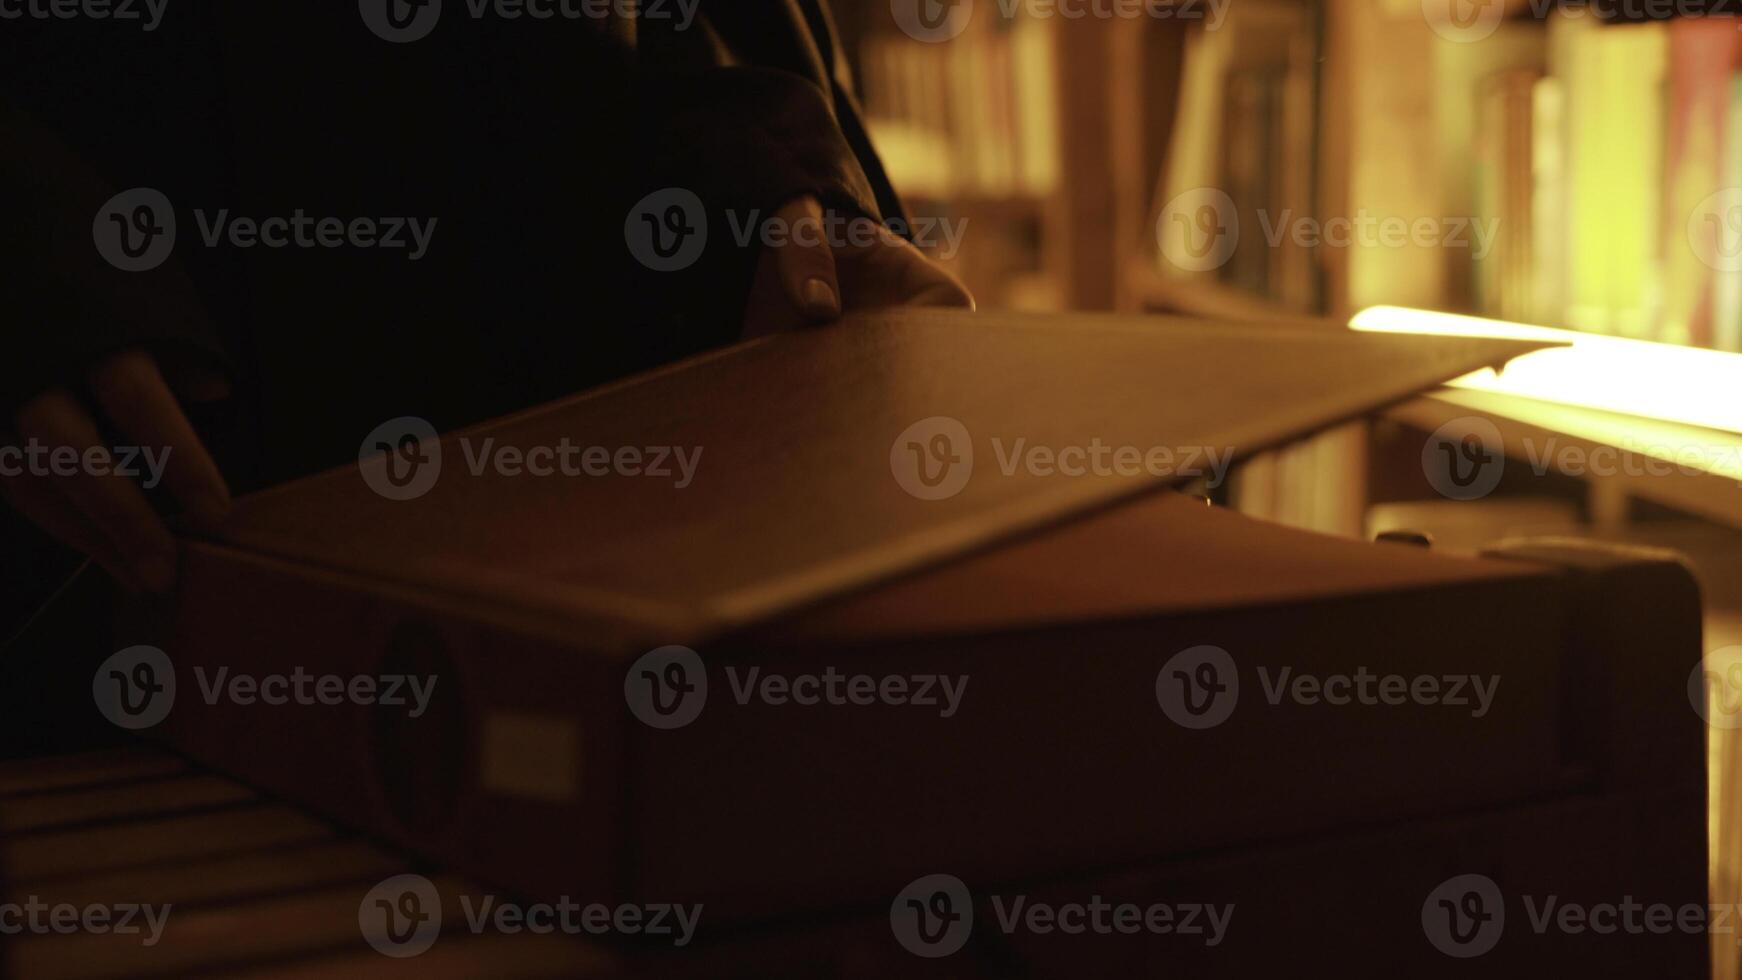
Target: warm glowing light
1689, 385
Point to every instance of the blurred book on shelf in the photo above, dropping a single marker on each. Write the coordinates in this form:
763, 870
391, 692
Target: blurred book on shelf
1241, 161
1727, 283
1613, 129
972, 116
968, 130
1614, 179
1582, 170
1235, 209
1505, 188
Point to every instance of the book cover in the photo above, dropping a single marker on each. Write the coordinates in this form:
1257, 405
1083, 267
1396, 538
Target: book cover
1702, 53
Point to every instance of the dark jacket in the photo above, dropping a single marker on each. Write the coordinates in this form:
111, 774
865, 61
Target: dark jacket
527, 141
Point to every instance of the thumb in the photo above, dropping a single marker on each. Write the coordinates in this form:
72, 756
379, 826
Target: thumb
806, 261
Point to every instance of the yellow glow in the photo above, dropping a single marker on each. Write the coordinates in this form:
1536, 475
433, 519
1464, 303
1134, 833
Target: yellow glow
1689, 385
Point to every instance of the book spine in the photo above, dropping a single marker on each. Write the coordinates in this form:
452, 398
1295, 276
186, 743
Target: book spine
403, 724
1727, 283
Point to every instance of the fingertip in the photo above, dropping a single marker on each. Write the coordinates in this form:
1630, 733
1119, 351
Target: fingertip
819, 299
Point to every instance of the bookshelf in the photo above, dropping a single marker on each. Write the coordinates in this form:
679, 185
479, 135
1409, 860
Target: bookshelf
971, 130
1553, 151
1600, 154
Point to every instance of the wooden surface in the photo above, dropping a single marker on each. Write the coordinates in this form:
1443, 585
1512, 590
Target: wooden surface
253, 887
795, 498
1706, 463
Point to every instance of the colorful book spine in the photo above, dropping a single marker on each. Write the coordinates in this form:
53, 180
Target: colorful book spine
1726, 281
1702, 52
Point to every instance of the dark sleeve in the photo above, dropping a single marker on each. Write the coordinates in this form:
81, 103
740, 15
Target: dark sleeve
65, 305
754, 138
751, 107
747, 108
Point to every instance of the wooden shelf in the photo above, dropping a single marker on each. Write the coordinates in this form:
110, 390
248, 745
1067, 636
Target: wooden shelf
1529, 427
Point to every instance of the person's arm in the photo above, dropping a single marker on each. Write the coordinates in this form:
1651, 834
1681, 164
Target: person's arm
750, 110
90, 348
